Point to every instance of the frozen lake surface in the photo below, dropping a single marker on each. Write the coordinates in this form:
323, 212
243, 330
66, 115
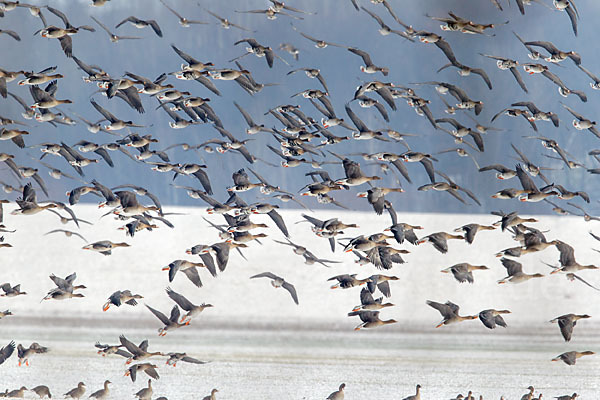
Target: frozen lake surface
262, 346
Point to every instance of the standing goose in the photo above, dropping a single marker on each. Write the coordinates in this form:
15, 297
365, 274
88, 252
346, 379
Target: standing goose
102, 393
449, 313
528, 396
42, 391
145, 393
15, 394
567, 322
192, 309
77, 392
416, 396
567, 397
277, 282
338, 394
212, 396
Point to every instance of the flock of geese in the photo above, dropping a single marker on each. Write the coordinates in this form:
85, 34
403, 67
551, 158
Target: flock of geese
301, 137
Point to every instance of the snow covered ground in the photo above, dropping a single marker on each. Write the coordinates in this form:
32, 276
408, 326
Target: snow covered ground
262, 346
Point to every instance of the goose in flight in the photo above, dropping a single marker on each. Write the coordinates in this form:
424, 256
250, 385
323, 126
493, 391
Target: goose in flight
277, 282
